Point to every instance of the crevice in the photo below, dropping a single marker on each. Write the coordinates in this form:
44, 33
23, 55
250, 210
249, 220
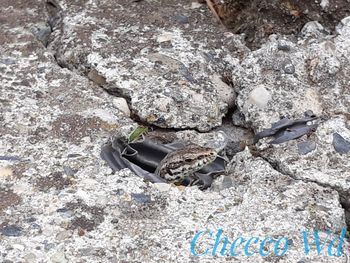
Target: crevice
54, 11
55, 18
344, 198
58, 63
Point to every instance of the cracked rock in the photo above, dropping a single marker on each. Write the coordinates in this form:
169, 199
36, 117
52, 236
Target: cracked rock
319, 83
324, 164
168, 62
56, 190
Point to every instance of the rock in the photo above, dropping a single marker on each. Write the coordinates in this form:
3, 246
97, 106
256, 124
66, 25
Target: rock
162, 187
5, 171
323, 165
324, 4
173, 81
238, 119
96, 77
42, 32
260, 97
222, 183
59, 257
306, 147
122, 105
31, 257
226, 93
313, 29
318, 83
288, 67
8, 61
11, 230
141, 198
63, 235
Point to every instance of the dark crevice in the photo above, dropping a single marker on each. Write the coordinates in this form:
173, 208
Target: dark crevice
58, 63
55, 14
228, 116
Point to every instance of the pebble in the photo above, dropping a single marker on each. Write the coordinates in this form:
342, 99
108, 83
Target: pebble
164, 37
181, 19
162, 187
195, 5
288, 67
122, 105
306, 147
63, 235
283, 47
221, 183
5, 172
96, 77
11, 231
312, 29
69, 171
324, 4
42, 32
9, 158
31, 257
8, 61
141, 198
59, 257
260, 96
18, 247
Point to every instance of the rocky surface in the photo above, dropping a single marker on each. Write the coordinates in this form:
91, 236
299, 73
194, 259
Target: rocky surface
311, 74
154, 54
61, 203
290, 78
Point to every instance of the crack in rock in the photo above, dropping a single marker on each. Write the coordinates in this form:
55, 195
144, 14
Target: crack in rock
171, 75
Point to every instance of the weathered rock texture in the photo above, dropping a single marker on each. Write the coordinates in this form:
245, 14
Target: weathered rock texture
311, 74
166, 57
59, 202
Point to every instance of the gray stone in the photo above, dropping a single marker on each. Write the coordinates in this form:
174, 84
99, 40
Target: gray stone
313, 29
58, 257
288, 67
318, 84
42, 32
306, 147
323, 165
170, 71
11, 230
141, 198
260, 96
